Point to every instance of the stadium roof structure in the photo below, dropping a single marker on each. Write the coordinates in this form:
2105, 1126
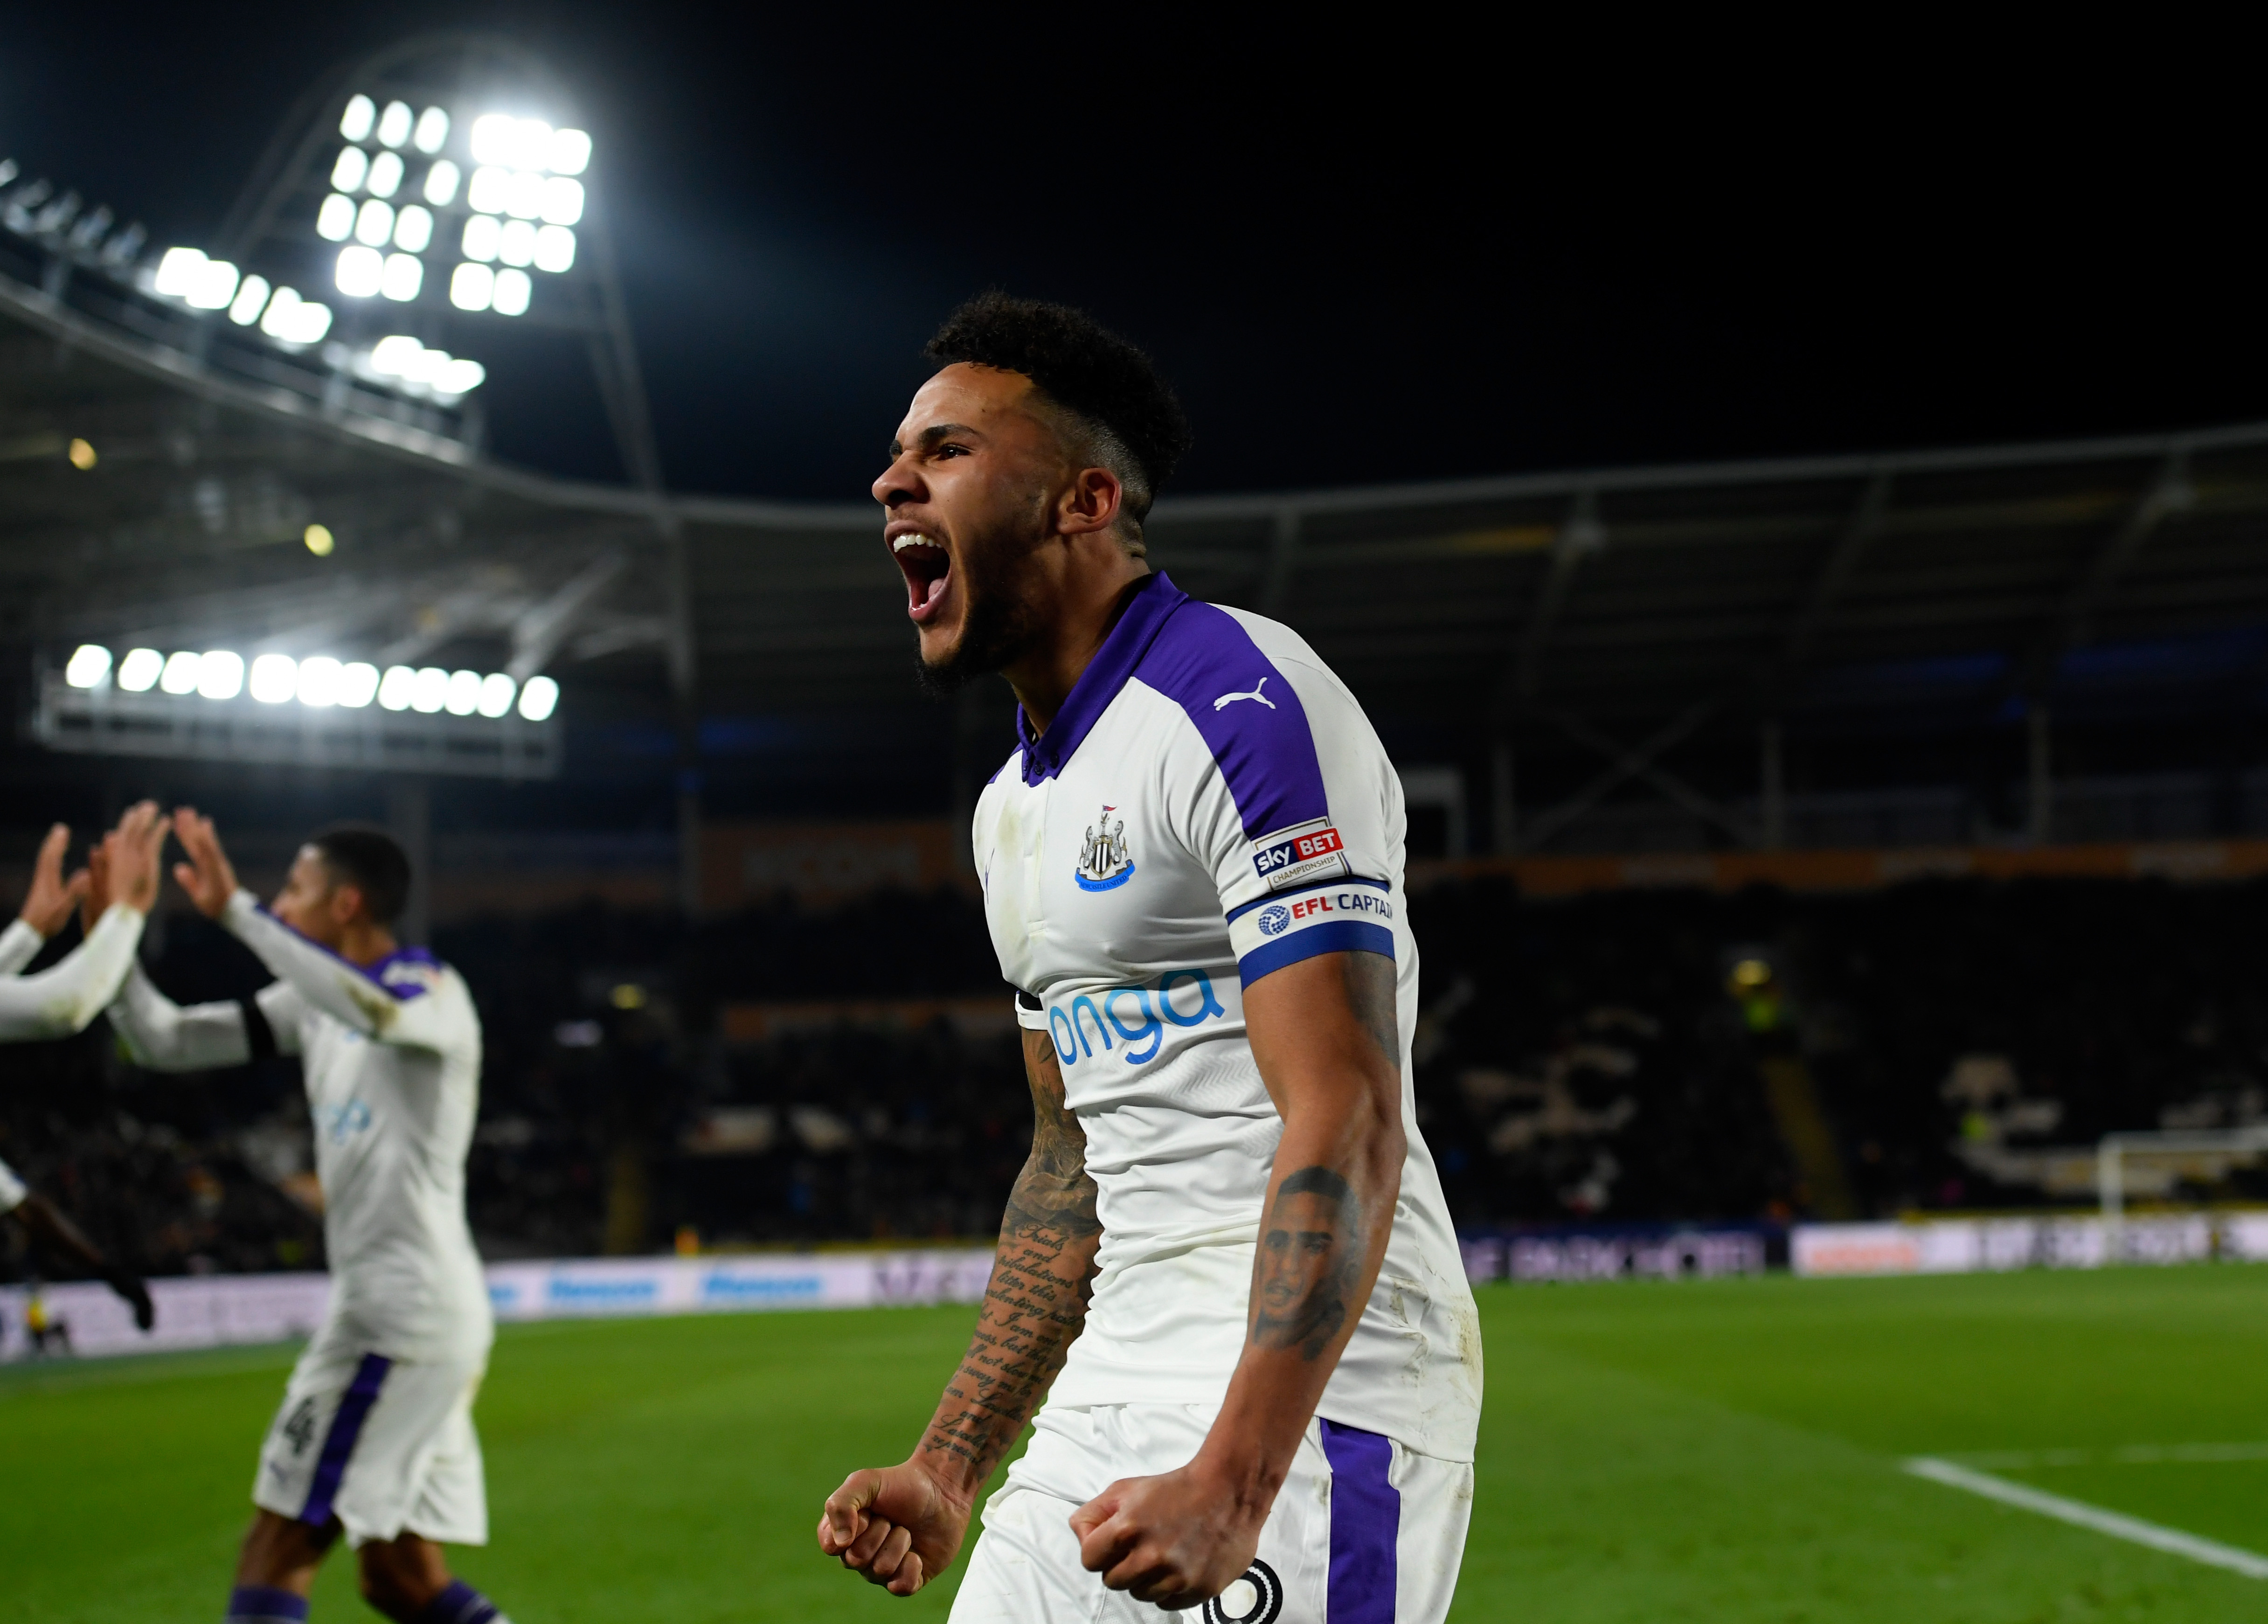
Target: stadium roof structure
1611, 612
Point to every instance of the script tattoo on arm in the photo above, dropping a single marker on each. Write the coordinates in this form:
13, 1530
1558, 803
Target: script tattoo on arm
1037, 1299
1310, 1249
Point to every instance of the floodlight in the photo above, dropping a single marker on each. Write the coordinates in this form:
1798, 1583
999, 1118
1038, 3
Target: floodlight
464, 693
138, 673
531, 144
412, 228
403, 275
374, 223
471, 287
394, 124
512, 292
251, 298
292, 320
395, 690
459, 377
335, 221
493, 136
490, 188
358, 684
319, 540
393, 355
562, 201
352, 170
212, 287
177, 272
385, 174
319, 681
180, 675
432, 129
441, 181
274, 678
362, 113
89, 663
496, 691
81, 453
429, 691
359, 272
483, 237
554, 248
523, 196
281, 309
516, 243
539, 698
570, 151
220, 674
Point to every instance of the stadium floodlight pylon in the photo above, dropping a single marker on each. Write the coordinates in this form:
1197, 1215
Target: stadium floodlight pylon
522, 157
443, 153
2222, 1146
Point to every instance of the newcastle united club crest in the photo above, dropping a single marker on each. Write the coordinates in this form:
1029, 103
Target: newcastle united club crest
1104, 864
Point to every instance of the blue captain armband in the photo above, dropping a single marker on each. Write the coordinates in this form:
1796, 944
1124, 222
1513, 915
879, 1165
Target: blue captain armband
1338, 916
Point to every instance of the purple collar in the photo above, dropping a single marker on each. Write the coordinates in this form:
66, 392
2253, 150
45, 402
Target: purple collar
1148, 606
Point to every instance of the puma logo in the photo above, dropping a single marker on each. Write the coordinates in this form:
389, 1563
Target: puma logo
1226, 700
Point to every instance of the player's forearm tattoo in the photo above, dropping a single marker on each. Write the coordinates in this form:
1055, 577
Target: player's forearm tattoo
1037, 1299
1310, 1249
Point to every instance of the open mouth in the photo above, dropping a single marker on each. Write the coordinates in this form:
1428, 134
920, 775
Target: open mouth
928, 569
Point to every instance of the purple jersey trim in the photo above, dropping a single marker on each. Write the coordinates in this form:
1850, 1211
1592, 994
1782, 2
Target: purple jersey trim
1336, 936
339, 1443
374, 973
1151, 603
1204, 656
1366, 1525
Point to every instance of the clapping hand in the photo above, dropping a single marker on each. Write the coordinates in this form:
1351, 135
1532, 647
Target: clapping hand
208, 876
130, 854
48, 905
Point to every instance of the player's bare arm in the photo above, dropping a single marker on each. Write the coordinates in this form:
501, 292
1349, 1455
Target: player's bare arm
1323, 1032
902, 1526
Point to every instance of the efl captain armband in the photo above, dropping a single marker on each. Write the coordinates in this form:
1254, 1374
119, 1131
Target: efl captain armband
1348, 915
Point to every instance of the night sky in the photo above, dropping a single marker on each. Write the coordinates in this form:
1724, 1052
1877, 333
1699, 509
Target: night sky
1362, 256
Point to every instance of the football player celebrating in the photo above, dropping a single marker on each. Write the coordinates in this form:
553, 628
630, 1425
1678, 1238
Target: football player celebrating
61, 1000
374, 1436
1227, 1265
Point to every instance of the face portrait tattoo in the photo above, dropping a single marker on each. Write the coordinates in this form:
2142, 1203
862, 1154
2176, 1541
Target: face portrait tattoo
1308, 1249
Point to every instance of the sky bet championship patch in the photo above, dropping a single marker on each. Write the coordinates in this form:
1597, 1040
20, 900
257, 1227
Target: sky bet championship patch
1304, 852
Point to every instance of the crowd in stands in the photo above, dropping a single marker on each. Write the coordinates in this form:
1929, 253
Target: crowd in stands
1579, 1060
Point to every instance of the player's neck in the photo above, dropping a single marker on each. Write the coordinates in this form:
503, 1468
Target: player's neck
365, 944
1087, 607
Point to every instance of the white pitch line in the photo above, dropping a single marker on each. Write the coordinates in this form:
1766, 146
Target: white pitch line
2172, 1540
2132, 1455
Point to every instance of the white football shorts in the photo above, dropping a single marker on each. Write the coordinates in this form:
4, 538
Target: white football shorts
384, 1447
1365, 1532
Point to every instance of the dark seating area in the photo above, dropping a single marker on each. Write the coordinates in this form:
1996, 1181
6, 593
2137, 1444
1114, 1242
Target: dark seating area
1579, 1060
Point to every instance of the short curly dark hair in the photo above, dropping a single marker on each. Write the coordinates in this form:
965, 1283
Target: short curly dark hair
1133, 424
371, 861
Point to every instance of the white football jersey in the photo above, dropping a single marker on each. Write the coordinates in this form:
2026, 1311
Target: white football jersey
1210, 805
391, 1058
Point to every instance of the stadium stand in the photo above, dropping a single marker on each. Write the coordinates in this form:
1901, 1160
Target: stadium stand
1582, 1059
1655, 724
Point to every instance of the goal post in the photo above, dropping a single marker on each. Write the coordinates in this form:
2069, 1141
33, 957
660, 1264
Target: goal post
2113, 1150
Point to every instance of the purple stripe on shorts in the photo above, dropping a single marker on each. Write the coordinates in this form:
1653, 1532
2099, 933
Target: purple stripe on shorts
338, 1444
1366, 1519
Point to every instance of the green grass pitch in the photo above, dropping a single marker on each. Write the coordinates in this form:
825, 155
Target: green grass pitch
1654, 1453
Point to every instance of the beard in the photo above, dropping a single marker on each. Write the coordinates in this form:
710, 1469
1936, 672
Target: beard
997, 628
